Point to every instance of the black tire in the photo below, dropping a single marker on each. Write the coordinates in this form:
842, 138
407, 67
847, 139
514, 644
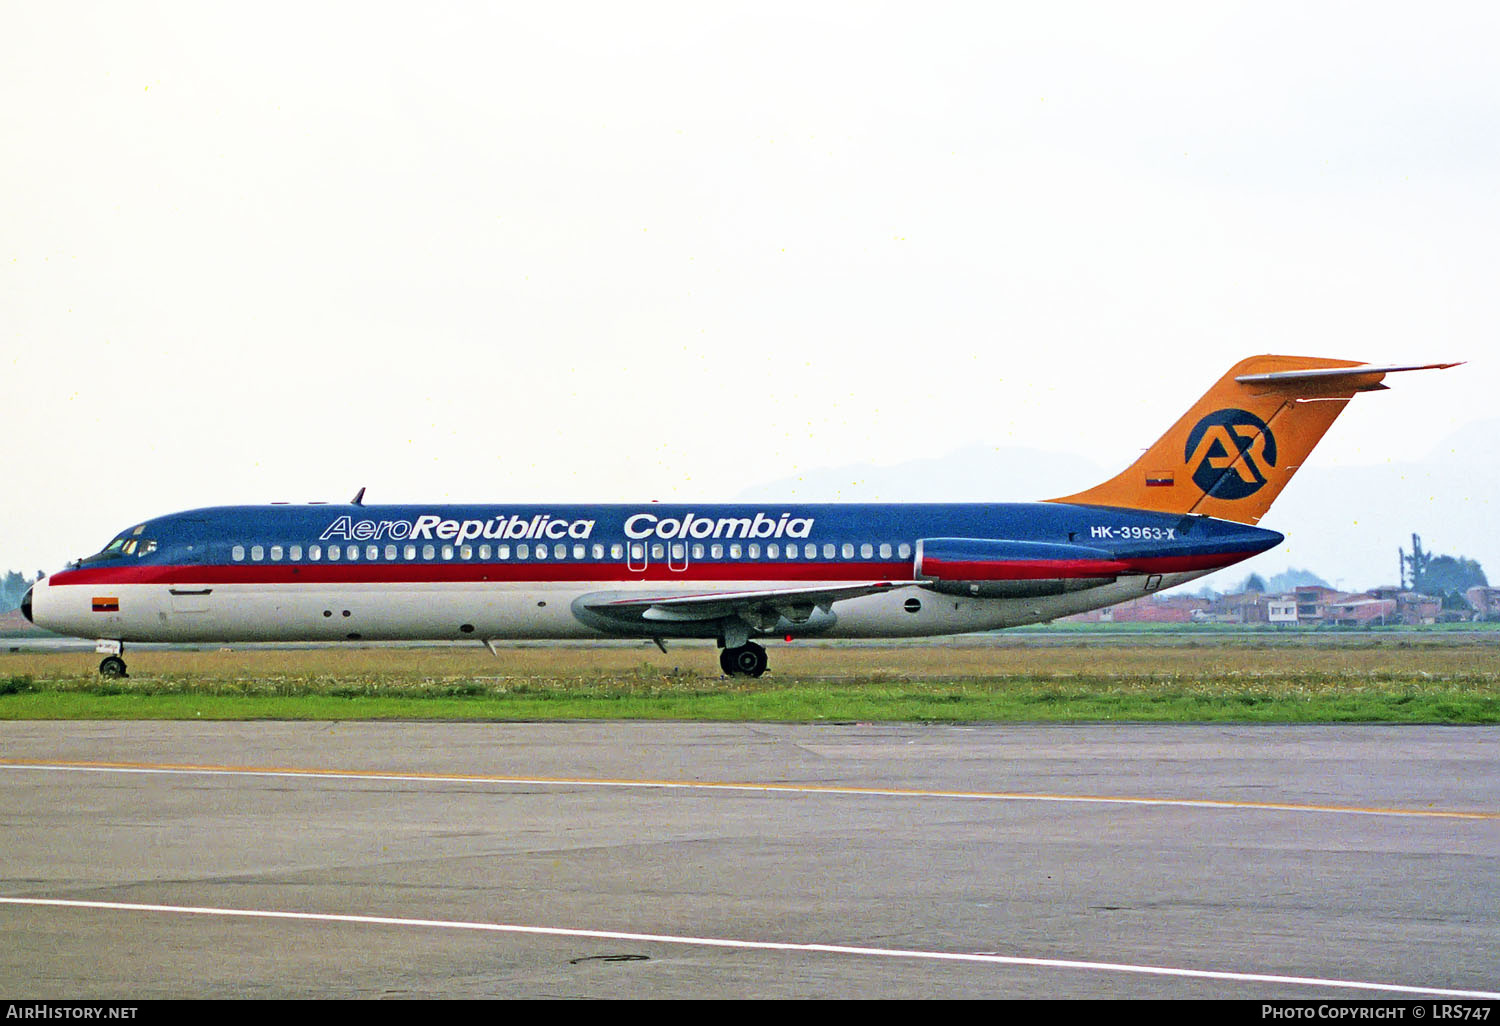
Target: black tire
112, 666
744, 661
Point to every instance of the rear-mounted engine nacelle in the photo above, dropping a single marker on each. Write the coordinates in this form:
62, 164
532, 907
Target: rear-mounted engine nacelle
995, 568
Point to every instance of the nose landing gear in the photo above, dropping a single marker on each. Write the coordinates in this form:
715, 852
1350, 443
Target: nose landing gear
112, 666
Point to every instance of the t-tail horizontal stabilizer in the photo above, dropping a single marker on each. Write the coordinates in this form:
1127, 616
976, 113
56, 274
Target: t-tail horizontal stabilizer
1236, 449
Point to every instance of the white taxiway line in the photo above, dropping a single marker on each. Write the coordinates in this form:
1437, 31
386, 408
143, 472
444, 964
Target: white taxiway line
749, 945
743, 786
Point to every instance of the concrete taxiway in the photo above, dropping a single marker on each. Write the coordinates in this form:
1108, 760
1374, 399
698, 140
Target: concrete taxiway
362, 860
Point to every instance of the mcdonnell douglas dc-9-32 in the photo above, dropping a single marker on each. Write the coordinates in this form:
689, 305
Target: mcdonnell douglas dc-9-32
732, 573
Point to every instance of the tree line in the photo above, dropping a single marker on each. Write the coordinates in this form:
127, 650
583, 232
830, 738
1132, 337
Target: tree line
12, 589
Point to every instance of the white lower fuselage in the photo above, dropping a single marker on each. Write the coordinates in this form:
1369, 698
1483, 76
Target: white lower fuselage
536, 610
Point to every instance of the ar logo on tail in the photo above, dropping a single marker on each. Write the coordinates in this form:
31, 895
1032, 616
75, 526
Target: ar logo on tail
1230, 452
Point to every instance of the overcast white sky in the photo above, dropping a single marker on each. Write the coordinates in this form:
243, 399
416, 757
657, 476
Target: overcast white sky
506, 252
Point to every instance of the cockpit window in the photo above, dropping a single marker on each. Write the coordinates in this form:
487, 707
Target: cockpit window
130, 543
110, 551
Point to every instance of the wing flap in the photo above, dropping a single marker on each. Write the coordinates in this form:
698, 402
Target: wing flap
796, 604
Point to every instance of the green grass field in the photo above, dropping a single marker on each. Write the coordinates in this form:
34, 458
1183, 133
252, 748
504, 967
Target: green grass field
1398, 678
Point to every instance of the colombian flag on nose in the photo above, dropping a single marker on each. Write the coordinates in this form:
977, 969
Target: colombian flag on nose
106, 604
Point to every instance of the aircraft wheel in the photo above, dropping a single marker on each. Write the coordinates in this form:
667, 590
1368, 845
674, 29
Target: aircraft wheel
745, 661
112, 666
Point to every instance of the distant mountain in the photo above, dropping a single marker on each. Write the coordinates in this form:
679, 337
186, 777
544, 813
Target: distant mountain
13, 624
1284, 582
1344, 523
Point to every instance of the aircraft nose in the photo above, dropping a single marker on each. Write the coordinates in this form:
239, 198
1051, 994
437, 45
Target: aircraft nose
26, 605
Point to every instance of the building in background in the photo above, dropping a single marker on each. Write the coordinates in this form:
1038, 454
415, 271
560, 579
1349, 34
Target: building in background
1484, 601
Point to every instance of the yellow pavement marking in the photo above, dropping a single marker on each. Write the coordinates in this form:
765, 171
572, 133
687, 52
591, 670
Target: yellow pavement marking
713, 785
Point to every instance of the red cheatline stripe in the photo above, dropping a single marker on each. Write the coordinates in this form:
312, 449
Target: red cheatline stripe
586, 571
1020, 569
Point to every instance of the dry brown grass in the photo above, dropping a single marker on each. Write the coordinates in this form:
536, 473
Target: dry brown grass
1436, 656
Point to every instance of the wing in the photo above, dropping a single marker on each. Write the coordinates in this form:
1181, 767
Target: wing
760, 609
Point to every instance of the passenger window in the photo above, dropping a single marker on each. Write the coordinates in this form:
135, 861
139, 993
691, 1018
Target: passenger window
828, 551
390, 552
810, 551
541, 552
679, 551
598, 550
428, 552
717, 551
637, 551
580, 551
257, 553
734, 552
523, 551
867, 551
904, 551
372, 551
333, 553
657, 550
616, 551
698, 551
848, 550
484, 552
315, 552
410, 552
559, 551
276, 552
296, 553
238, 553
447, 551
502, 551
791, 551
351, 551
753, 550
773, 551
466, 552
885, 550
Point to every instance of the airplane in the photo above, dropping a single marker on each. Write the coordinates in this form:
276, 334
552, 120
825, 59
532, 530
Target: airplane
732, 573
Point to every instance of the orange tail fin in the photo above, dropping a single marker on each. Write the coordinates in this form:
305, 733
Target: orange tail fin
1236, 449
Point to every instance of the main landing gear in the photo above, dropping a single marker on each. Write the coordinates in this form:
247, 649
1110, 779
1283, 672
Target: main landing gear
747, 660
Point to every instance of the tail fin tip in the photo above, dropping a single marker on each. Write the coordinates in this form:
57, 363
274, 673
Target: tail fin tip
1238, 446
